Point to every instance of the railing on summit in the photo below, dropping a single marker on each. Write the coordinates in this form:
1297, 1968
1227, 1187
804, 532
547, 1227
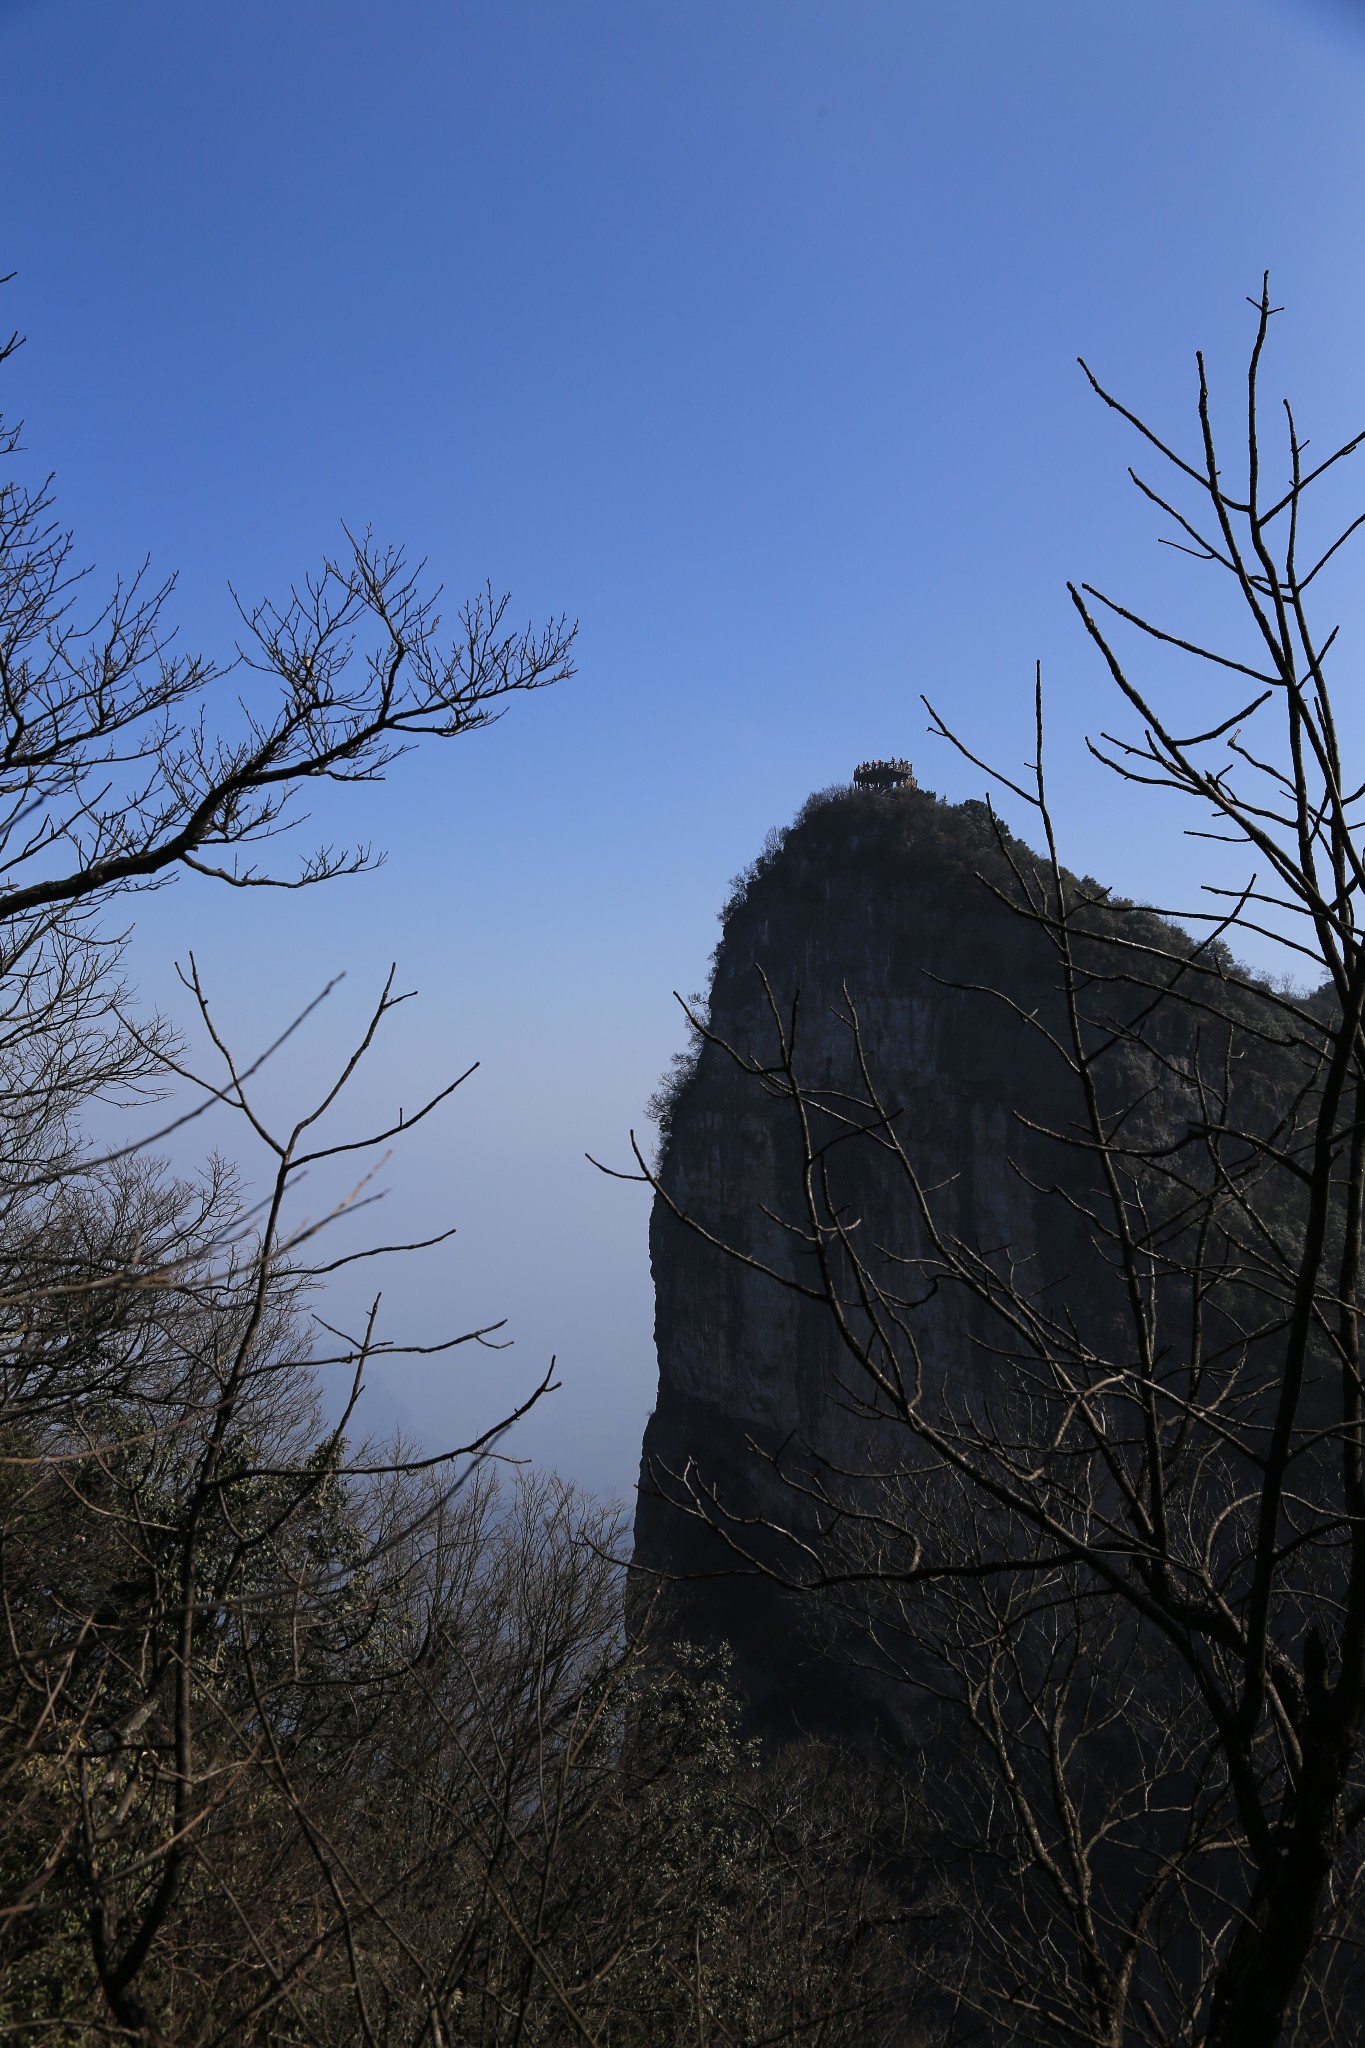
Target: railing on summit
883, 775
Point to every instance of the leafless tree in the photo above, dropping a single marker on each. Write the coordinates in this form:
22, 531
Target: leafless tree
303, 1738
1127, 1550
176, 1531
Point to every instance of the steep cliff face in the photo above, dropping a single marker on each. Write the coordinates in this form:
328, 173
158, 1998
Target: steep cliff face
888, 899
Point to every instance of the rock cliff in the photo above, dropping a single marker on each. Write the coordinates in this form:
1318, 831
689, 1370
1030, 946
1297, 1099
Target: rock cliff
895, 900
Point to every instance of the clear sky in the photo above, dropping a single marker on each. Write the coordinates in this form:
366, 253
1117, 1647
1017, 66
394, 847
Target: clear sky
744, 330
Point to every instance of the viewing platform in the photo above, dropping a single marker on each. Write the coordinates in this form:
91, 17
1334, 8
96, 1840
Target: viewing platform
883, 775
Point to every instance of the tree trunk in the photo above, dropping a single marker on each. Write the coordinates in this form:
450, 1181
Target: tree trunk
1266, 1962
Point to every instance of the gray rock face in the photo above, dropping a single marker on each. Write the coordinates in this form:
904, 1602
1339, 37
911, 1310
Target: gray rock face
887, 899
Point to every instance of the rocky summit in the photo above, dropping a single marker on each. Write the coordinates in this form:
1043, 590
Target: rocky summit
910, 912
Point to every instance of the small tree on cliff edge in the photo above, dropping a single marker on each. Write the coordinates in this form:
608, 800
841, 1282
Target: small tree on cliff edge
1138, 1567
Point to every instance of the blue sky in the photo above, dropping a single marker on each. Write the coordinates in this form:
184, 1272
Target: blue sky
744, 332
